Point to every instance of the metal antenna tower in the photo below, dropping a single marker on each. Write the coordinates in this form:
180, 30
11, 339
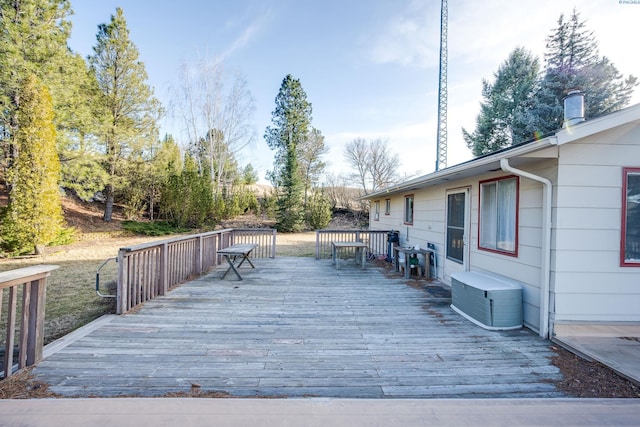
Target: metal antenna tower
441, 148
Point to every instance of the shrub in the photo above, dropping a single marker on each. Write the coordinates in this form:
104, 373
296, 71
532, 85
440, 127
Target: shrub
318, 211
157, 228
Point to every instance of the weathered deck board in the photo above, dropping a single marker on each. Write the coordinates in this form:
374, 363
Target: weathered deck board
299, 327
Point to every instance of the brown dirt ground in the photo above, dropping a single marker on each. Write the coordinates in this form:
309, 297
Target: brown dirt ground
581, 378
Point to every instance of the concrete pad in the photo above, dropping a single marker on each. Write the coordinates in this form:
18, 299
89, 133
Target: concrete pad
319, 412
616, 346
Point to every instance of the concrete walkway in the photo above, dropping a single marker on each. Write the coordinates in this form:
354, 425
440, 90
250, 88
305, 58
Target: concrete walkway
616, 346
319, 412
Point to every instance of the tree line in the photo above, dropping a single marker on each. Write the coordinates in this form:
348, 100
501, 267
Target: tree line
89, 126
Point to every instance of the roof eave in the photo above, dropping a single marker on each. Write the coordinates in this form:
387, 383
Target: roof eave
480, 164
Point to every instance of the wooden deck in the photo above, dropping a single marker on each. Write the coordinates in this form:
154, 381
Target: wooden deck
298, 327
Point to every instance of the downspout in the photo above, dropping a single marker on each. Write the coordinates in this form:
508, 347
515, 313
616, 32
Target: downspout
546, 242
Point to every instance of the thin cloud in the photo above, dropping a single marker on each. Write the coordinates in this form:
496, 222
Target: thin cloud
244, 38
409, 38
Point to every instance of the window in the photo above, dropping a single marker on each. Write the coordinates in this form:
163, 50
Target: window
376, 210
498, 222
630, 239
408, 209
387, 207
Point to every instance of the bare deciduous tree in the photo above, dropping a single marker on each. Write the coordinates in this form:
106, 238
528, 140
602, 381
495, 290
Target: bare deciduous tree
310, 153
375, 165
206, 107
335, 188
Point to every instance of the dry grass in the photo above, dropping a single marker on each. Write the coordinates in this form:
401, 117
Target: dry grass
296, 244
71, 297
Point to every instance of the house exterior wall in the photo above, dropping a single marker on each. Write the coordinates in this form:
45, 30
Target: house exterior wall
588, 284
585, 165
429, 227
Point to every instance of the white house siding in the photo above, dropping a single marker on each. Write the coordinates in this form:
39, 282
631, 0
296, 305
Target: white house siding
429, 226
526, 267
588, 283
428, 219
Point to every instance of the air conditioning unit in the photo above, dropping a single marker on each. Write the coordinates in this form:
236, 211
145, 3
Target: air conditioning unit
489, 300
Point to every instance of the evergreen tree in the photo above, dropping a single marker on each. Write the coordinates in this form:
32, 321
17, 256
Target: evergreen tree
164, 160
519, 106
33, 40
129, 109
34, 217
249, 175
573, 63
187, 197
319, 210
505, 102
291, 123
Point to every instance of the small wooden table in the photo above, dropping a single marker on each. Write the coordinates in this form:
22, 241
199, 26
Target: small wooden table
234, 252
407, 253
360, 251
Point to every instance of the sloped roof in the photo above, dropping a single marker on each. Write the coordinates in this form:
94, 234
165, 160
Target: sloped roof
518, 155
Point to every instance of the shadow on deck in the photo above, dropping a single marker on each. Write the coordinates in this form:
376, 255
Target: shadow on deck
297, 327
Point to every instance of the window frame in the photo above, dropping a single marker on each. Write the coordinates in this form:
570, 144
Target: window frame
387, 206
376, 210
513, 253
405, 219
623, 218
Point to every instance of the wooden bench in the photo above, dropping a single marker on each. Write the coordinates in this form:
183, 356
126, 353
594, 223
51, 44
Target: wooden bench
241, 252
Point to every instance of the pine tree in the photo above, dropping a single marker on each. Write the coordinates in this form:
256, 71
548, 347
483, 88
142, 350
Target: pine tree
520, 106
34, 217
187, 197
129, 109
33, 40
505, 101
573, 63
319, 210
164, 161
291, 121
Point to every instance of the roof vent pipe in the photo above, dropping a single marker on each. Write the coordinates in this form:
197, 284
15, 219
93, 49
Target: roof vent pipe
573, 108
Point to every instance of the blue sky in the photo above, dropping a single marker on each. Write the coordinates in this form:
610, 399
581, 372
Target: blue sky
369, 67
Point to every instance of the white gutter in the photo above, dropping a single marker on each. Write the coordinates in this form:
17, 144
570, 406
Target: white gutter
546, 242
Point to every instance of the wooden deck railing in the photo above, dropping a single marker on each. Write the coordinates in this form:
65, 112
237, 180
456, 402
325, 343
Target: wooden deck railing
34, 281
376, 239
148, 270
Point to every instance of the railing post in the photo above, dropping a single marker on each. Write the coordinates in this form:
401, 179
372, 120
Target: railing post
198, 255
11, 331
164, 268
25, 325
273, 243
36, 320
123, 283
